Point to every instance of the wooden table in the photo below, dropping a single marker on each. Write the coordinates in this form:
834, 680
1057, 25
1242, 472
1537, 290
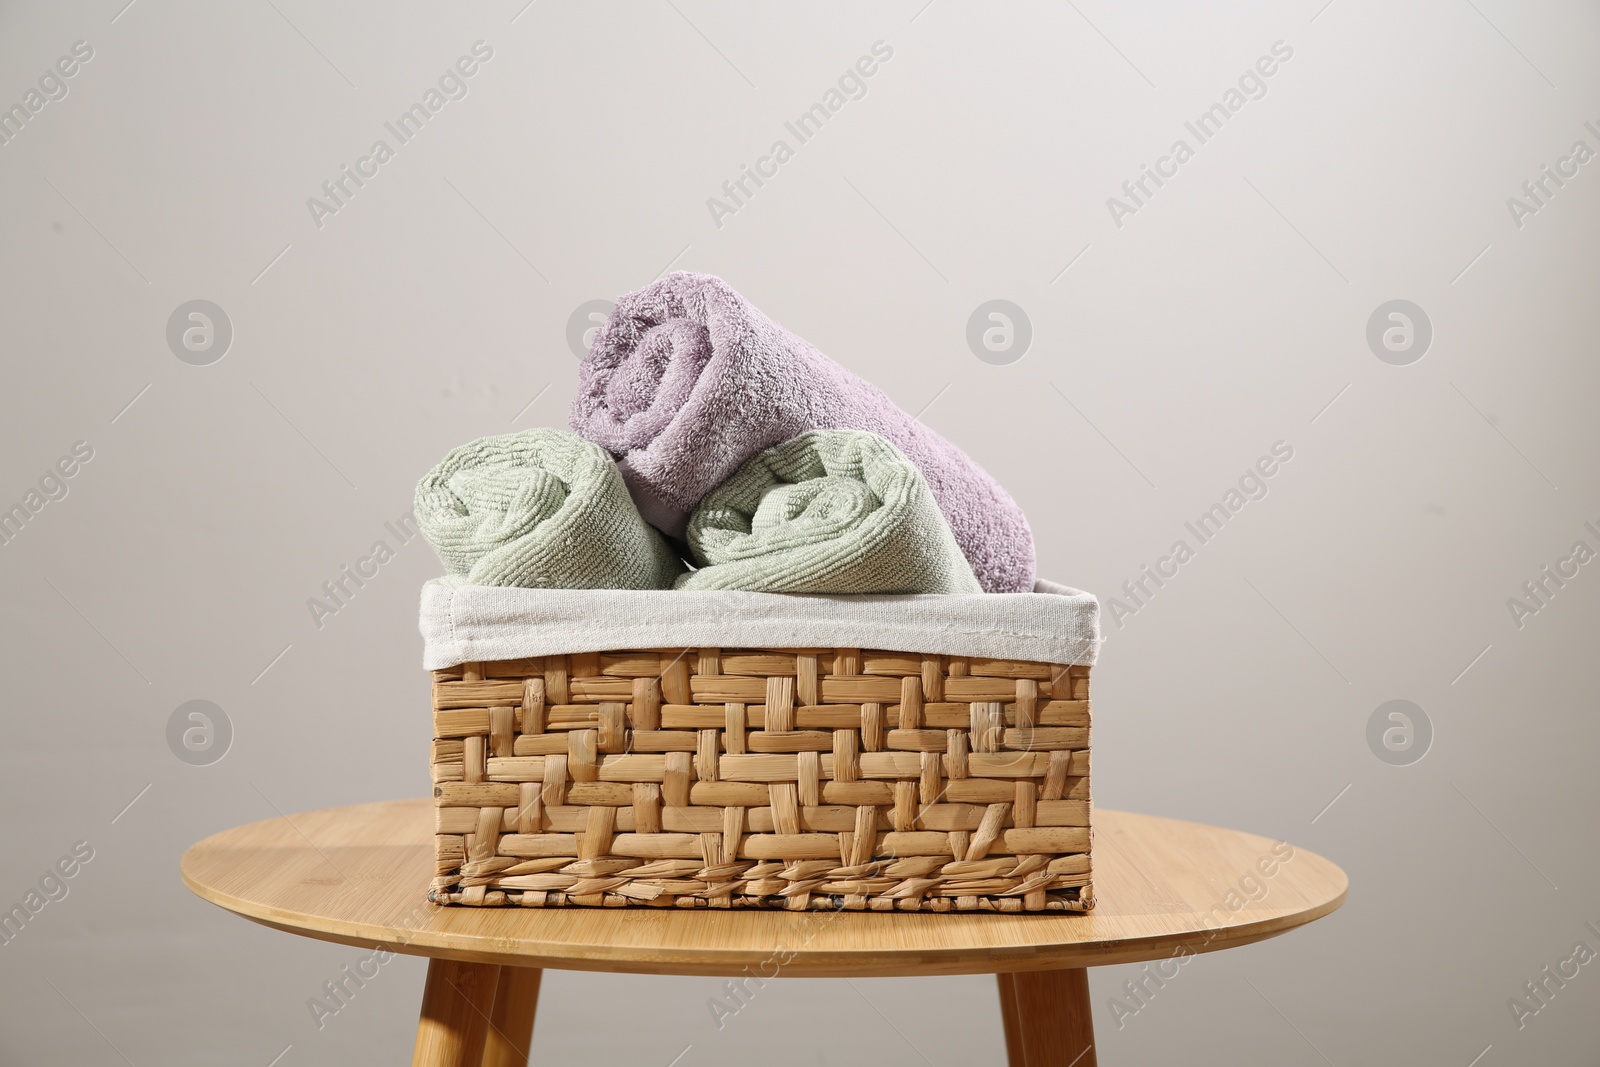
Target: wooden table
359, 876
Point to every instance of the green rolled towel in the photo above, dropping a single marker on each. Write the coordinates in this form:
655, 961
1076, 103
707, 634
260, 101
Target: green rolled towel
830, 511
541, 509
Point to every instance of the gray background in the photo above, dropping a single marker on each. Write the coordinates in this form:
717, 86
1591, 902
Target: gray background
1227, 314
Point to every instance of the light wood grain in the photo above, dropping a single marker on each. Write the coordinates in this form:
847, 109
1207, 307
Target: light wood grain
510, 1034
455, 1014
1012, 1022
359, 875
1049, 1020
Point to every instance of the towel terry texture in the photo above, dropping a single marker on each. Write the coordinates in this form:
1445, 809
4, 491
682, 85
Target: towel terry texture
541, 509
831, 511
474, 623
687, 380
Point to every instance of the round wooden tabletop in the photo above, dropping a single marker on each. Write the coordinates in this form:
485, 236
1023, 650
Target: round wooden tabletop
359, 876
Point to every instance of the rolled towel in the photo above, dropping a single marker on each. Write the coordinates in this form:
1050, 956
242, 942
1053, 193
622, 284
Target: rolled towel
540, 509
687, 380
832, 511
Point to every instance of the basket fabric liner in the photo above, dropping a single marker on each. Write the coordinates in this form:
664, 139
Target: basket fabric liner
475, 623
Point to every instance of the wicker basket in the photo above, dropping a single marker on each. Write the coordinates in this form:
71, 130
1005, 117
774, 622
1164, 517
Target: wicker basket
763, 778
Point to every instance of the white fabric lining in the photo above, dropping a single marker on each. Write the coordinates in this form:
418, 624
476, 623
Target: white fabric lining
475, 623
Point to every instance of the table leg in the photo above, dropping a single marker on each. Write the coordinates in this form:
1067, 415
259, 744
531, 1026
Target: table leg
456, 1003
511, 1021
1047, 1018
1013, 1024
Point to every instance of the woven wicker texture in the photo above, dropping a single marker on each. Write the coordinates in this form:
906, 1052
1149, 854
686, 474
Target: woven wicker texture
782, 778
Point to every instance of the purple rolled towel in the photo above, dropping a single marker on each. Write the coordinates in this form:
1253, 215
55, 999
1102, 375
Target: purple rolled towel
687, 380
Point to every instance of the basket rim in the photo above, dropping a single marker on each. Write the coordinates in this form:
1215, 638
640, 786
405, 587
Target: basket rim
472, 623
